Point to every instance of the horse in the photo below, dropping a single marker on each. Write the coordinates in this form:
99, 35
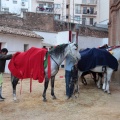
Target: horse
57, 56
107, 73
97, 77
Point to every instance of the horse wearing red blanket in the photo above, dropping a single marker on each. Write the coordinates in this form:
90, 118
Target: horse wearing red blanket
30, 64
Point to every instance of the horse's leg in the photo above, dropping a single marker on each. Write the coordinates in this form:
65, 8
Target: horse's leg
14, 82
94, 74
104, 82
79, 79
45, 89
99, 83
109, 74
52, 87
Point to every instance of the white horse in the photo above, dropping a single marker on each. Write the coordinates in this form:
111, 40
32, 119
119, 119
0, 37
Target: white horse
115, 51
57, 56
107, 74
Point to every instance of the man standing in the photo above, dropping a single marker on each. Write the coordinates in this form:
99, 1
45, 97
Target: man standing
3, 58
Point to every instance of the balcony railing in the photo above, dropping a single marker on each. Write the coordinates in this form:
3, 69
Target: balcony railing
45, 1
44, 10
89, 2
86, 12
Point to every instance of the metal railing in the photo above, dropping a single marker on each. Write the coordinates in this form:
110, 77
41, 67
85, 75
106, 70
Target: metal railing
86, 12
45, 0
44, 10
93, 2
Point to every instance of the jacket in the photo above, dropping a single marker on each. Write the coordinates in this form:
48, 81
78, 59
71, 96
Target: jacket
3, 59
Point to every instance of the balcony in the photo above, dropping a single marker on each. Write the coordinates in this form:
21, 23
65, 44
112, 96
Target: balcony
48, 10
47, 1
89, 3
86, 13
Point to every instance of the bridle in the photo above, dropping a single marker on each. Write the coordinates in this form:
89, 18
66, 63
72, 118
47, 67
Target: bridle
71, 52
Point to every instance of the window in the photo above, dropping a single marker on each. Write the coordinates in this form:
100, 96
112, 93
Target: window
91, 21
26, 47
67, 6
6, 9
23, 3
57, 6
24, 10
92, 1
50, 5
56, 17
77, 18
14, 1
77, 9
91, 10
84, 1
84, 10
83, 21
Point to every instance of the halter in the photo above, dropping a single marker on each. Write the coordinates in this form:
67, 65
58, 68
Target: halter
71, 51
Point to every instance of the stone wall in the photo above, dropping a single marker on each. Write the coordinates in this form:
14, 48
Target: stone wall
30, 21
93, 32
45, 22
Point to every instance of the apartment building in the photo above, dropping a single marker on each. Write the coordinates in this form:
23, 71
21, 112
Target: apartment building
14, 6
86, 12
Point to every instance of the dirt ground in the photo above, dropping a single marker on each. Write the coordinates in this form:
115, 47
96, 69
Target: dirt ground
92, 104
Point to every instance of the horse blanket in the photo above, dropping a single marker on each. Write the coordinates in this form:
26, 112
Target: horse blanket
90, 58
29, 64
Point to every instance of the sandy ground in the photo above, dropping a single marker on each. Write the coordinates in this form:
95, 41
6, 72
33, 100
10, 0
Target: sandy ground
93, 103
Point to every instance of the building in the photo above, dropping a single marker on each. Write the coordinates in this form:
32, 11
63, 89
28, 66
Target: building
86, 12
18, 40
114, 22
114, 30
15, 6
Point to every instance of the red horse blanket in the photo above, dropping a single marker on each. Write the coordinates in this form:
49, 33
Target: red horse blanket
29, 64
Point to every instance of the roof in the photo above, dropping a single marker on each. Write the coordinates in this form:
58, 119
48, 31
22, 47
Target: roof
21, 32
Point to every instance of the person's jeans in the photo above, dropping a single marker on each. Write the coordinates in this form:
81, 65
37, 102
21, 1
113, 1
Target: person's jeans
67, 80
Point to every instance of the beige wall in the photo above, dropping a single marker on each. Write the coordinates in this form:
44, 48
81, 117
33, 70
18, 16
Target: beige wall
102, 10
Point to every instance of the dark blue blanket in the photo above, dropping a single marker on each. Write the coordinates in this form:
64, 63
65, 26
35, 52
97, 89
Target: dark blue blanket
90, 58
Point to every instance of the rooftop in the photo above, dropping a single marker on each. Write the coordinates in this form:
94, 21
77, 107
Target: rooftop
21, 32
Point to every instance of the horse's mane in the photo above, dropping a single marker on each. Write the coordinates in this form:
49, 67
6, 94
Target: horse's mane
58, 49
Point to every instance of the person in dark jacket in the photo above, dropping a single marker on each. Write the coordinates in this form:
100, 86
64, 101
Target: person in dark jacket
3, 58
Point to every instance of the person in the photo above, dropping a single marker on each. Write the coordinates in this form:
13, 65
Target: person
3, 58
68, 66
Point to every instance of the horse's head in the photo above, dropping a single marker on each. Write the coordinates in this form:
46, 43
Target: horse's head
72, 50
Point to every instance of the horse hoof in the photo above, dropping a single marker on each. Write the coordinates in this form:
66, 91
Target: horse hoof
105, 91
109, 92
98, 87
44, 100
54, 97
14, 99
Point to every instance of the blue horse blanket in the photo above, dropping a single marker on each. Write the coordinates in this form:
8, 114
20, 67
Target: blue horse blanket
90, 58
